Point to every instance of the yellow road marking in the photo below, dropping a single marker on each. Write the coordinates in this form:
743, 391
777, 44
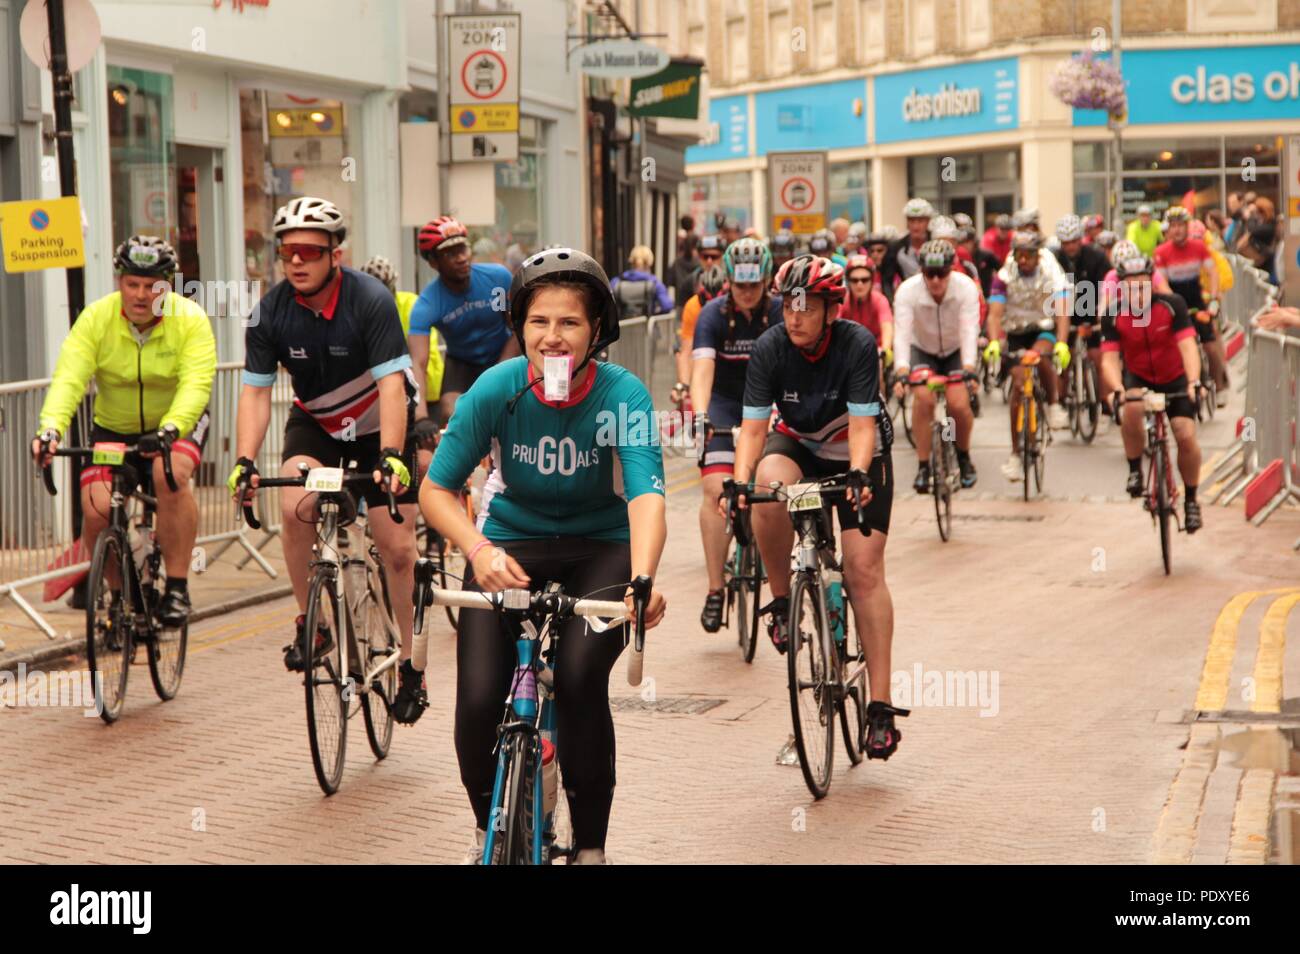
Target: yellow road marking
1268, 659
250, 625
1207, 467
1213, 692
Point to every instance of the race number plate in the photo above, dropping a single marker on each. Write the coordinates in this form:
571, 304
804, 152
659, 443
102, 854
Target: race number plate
108, 452
1153, 401
747, 273
803, 497
325, 480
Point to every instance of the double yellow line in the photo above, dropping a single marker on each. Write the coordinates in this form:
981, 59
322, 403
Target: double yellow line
1212, 696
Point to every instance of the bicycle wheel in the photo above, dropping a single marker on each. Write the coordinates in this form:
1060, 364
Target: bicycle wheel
375, 642
746, 584
905, 417
853, 703
1209, 396
327, 704
1090, 411
940, 485
1164, 507
514, 841
1070, 399
108, 625
812, 701
1028, 430
1042, 437
167, 649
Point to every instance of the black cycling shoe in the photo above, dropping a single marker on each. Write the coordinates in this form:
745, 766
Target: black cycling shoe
778, 613
1191, 516
711, 617
412, 698
296, 652
922, 483
1134, 485
174, 611
967, 468
882, 735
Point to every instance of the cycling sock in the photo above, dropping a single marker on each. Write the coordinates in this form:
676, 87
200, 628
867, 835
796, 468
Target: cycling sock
1135, 465
178, 584
963, 455
1191, 492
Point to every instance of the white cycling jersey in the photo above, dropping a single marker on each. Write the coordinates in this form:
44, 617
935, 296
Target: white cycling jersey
937, 328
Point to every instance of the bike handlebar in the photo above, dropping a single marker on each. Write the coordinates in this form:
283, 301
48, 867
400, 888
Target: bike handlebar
349, 480
163, 449
732, 490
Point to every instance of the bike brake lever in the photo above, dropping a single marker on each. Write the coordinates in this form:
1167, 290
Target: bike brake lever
641, 588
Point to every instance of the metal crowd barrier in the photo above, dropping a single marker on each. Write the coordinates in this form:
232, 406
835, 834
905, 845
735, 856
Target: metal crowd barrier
1261, 438
35, 528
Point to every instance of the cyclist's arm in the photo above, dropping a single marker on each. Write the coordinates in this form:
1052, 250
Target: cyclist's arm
392, 409
1185, 335
703, 359
903, 316
997, 306
648, 527
1211, 269
467, 439
1061, 305
642, 464
1111, 381
701, 383
72, 373
419, 346
863, 399
252, 419
862, 440
881, 304
969, 323
753, 432
197, 369
756, 406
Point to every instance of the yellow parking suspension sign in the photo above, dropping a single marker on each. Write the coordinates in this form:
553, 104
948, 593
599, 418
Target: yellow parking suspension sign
42, 233
494, 118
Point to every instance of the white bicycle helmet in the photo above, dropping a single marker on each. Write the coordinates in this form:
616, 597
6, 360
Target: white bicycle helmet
309, 212
918, 209
942, 227
1069, 228
382, 269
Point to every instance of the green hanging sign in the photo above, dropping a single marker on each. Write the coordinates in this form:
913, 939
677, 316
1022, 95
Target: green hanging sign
673, 92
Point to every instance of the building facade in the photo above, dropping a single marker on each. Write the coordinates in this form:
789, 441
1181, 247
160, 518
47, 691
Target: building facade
951, 101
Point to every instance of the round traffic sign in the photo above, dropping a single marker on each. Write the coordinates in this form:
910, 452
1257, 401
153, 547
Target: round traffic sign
39, 219
466, 118
798, 194
81, 24
483, 74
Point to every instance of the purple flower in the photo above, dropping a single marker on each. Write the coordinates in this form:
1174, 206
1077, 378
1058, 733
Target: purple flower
1085, 82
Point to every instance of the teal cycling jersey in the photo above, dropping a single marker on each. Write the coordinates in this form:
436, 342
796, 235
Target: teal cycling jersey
559, 469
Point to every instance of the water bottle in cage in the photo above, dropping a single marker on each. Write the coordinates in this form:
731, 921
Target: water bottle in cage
835, 604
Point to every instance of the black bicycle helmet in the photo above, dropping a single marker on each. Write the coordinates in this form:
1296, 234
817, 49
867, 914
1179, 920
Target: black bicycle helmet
554, 265
145, 255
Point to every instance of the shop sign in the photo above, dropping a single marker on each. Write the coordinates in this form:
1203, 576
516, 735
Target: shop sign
797, 191
947, 101
312, 122
728, 136
622, 58
673, 92
483, 51
1211, 84
42, 233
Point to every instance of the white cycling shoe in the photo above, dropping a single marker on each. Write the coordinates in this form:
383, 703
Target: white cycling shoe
1012, 469
1057, 418
474, 854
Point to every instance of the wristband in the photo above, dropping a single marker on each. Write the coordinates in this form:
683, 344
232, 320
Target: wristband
473, 551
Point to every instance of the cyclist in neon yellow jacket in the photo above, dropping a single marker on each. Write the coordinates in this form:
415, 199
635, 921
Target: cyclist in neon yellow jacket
153, 358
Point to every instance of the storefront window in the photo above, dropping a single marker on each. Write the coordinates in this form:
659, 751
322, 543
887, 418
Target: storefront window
294, 146
142, 165
849, 190
1194, 192
1090, 157
708, 199
1154, 154
1260, 150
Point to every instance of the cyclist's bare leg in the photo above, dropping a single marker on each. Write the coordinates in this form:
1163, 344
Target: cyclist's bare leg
873, 608
1013, 406
1218, 364
960, 412
396, 544
296, 536
178, 514
1189, 450
713, 528
96, 499
772, 527
1047, 372
1133, 428
922, 417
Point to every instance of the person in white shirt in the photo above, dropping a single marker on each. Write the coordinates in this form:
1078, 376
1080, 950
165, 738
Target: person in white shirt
936, 328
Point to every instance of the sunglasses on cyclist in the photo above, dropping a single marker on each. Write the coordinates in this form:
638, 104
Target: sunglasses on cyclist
305, 251
935, 272
710, 257
860, 281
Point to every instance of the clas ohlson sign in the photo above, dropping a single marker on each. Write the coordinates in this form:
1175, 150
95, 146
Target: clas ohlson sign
1218, 84
947, 100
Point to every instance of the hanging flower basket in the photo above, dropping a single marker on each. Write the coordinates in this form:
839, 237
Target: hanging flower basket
1085, 82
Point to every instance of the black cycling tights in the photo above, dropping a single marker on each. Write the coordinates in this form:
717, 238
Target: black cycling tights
485, 662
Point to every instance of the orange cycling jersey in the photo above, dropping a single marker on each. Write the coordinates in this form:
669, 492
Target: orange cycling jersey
690, 312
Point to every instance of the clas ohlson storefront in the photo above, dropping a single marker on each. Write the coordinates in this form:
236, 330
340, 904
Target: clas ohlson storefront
985, 136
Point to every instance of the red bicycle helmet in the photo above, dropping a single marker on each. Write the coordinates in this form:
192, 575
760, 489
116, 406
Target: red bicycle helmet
442, 232
815, 275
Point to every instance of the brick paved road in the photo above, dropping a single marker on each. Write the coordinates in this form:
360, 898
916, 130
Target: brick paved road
1085, 661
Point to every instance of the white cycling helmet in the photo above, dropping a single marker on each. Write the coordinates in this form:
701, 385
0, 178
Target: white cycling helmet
918, 209
1024, 217
942, 227
1124, 250
382, 269
309, 212
1069, 228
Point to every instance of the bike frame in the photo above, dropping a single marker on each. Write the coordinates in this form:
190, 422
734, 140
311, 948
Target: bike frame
1158, 443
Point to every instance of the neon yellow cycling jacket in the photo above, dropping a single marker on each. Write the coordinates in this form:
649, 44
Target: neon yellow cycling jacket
433, 384
139, 388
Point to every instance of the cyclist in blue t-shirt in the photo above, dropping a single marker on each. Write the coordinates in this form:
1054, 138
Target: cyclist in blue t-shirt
468, 304
576, 496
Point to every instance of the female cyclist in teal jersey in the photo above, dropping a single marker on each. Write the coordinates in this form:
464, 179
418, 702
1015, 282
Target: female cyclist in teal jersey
576, 496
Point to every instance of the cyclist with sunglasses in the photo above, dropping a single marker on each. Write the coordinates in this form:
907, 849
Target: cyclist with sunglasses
937, 323
468, 303
724, 337
337, 332
866, 304
153, 358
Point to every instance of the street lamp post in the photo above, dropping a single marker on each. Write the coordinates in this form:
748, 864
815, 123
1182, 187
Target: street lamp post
1117, 150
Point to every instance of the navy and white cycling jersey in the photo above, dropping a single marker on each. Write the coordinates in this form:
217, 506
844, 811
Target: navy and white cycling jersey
728, 339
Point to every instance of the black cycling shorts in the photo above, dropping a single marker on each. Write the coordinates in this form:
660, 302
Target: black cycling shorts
191, 446
1178, 403
881, 474
1025, 340
947, 364
1204, 329
720, 448
459, 376
304, 437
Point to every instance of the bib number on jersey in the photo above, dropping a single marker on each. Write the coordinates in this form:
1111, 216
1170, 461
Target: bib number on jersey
325, 480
